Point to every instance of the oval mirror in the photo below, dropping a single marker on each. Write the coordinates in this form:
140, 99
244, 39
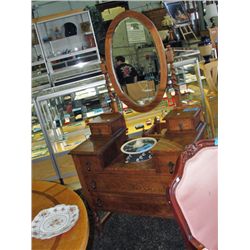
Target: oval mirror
136, 61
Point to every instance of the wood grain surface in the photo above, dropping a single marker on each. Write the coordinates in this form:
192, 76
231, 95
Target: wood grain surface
49, 194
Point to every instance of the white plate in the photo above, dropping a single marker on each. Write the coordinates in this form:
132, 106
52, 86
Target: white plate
54, 221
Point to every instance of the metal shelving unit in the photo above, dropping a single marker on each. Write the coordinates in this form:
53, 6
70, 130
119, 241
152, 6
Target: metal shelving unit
63, 47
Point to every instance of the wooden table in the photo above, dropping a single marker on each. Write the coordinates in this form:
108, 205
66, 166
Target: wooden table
48, 194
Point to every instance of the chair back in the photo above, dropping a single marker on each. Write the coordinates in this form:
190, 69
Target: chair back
210, 71
193, 194
213, 33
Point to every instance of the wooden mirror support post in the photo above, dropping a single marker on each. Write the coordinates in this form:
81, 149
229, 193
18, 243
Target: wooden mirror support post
114, 105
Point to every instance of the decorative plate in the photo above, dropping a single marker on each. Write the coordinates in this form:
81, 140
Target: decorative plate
54, 221
138, 157
138, 146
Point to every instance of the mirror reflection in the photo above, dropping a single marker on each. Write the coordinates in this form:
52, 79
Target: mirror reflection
135, 61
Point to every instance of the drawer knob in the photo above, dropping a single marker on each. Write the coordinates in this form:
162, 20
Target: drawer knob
88, 164
171, 167
180, 126
93, 185
99, 202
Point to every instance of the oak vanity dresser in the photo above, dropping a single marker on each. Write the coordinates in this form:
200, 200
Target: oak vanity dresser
139, 188
110, 184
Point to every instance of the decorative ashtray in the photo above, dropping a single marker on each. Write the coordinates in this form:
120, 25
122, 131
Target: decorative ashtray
54, 221
138, 150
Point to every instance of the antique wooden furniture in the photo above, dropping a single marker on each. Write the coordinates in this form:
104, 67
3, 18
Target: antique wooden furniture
143, 20
156, 16
185, 125
179, 120
193, 194
210, 71
49, 194
185, 30
183, 22
110, 184
182, 125
107, 124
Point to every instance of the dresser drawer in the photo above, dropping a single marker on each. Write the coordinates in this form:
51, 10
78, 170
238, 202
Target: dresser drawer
120, 183
183, 119
101, 130
166, 163
90, 164
107, 124
146, 205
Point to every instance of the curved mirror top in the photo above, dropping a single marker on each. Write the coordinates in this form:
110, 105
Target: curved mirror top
135, 61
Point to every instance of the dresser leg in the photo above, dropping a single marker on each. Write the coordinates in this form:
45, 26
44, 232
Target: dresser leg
97, 221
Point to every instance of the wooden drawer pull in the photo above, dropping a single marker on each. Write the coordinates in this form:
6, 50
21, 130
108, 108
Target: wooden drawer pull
99, 202
171, 167
88, 165
180, 126
93, 185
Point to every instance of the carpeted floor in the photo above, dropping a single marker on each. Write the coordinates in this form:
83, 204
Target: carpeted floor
127, 232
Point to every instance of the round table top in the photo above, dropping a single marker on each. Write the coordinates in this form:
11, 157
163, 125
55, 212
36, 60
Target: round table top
48, 194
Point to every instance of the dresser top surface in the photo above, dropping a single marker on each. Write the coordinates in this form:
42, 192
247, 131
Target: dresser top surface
105, 118
182, 113
165, 145
95, 145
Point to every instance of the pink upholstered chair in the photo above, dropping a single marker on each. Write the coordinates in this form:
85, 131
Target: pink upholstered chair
193, 194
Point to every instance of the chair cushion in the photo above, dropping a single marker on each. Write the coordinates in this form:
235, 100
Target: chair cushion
196, 195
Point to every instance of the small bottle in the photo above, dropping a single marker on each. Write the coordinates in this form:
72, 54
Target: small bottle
170, 93
171, 88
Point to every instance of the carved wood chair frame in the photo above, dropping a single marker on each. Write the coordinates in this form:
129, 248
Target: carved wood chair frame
188, 153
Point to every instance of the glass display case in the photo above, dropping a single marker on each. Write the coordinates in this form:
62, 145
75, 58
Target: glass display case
43, 167
64, 112
190, 78
69, 45
40, 78
64, 107
183, 53
39, 146
191, 84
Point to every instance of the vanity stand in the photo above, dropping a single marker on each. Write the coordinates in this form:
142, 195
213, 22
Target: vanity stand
110, 184
138, 188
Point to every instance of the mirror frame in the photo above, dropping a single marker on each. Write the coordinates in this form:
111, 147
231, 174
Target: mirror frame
161, 56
